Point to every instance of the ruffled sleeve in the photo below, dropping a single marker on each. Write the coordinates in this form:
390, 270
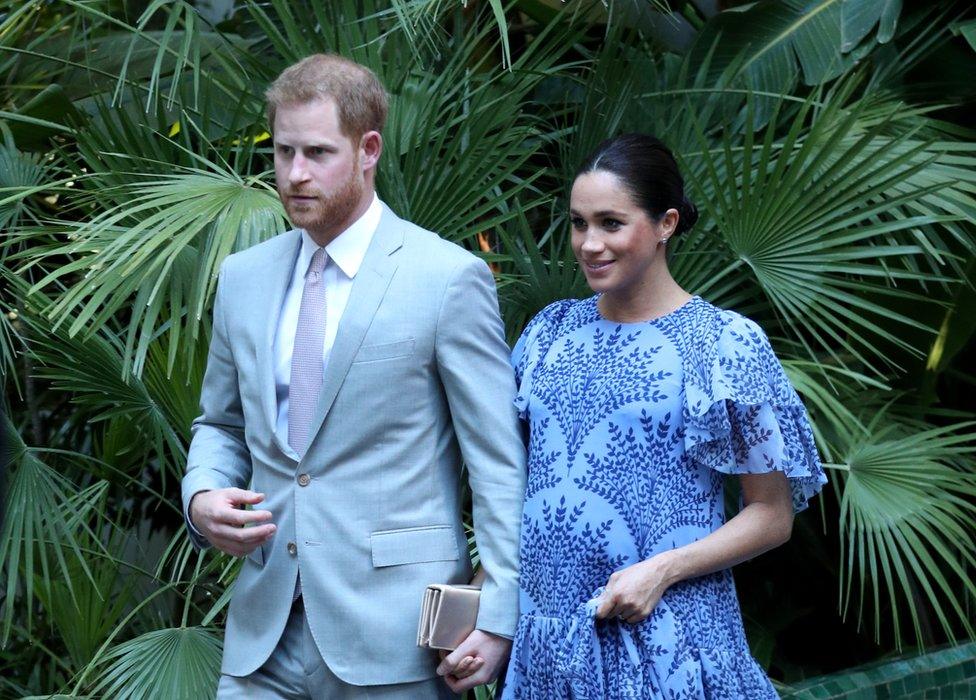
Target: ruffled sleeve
531, 347
742, 415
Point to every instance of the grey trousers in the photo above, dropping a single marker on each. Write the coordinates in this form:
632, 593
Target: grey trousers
296, 671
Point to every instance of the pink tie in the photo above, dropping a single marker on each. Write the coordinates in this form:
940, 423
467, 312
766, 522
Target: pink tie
305, 384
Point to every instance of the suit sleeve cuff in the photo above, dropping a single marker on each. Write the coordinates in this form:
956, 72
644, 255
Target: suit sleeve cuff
196, 537
498, 619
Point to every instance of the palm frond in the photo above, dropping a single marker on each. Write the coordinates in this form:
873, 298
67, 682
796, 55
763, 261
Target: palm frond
83, 609
92, 370
154, 60
177, 662
160, 252
830, 272
46, 516
906, 520
820, 386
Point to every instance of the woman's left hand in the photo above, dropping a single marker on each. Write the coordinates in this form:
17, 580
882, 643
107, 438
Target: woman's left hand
631, 594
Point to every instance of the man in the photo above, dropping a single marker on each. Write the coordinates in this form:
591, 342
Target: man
354, 361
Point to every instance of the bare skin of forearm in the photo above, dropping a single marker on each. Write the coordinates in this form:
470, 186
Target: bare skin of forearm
764, 522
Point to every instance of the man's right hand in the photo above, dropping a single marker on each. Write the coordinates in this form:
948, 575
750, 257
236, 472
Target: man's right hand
219, 517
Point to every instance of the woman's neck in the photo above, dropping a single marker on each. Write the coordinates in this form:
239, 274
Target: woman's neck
652, 298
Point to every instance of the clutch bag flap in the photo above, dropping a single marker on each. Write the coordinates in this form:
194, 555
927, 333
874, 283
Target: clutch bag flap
448, 614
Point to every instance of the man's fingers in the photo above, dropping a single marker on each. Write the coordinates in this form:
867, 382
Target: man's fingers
454, 684
242, 535
244, 496
253, 535
238, 517
233, 548
461, 670
449, 663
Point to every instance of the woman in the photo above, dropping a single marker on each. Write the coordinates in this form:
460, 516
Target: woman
639, 401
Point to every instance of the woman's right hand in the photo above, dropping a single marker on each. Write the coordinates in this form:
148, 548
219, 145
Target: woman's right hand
632, 593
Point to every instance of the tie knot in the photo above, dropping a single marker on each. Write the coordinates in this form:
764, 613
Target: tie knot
319, 259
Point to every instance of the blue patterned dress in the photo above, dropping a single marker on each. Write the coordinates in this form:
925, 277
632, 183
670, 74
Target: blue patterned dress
633, 427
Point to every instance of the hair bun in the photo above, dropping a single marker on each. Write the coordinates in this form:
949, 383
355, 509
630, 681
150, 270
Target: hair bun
687, 215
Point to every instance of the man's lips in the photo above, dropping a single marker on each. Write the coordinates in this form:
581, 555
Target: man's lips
302, 201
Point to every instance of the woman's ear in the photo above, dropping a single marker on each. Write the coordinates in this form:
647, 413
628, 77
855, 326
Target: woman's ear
669, 223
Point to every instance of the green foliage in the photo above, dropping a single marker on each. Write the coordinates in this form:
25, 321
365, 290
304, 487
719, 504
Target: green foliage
909, 511
179, 662
824, 38
837, 201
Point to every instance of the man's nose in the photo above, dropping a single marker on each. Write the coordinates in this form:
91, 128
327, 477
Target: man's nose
299, 170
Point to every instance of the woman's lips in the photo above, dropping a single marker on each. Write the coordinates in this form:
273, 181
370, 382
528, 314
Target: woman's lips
598, 266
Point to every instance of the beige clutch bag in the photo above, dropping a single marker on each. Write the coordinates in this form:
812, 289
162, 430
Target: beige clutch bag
448, 615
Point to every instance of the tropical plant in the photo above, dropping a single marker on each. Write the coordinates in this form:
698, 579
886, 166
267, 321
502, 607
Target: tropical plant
823, 142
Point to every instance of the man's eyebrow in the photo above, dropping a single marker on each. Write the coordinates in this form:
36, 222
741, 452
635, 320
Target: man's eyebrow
327, 146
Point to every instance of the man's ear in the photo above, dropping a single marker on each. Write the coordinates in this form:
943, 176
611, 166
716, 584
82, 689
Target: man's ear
370, 148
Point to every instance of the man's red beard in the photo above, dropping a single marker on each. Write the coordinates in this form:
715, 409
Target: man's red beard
324, 213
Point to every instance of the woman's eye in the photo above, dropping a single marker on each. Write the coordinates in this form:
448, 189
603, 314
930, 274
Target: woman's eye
612, 224
577, 222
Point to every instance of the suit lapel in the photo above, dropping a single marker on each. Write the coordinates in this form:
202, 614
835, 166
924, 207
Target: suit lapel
368, 290
274, 285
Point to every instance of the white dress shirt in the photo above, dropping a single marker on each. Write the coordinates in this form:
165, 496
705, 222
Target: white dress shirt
344, 256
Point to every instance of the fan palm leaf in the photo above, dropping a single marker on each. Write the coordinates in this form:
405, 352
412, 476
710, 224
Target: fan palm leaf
828, 392
160, 252
46, 517
152, 410
176, 662
539, 272
820, 267
907, 515
84, 616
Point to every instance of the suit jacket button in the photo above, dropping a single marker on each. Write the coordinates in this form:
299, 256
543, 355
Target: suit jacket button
304, 479
292, 548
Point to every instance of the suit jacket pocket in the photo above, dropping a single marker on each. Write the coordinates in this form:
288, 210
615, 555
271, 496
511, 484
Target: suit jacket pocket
413, 545
384, 351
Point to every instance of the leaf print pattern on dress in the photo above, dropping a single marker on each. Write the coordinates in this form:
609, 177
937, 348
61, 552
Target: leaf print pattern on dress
586, 381
638, 469
542, 475
566, 545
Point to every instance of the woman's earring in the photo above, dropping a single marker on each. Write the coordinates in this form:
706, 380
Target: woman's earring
664, 241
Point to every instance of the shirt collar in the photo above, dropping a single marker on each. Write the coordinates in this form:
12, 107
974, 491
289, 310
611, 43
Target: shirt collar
347, 249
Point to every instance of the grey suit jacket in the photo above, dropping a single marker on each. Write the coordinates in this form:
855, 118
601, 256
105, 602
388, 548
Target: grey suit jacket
418, 378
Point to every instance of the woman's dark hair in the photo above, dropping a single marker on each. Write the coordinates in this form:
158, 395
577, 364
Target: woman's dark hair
648, 170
